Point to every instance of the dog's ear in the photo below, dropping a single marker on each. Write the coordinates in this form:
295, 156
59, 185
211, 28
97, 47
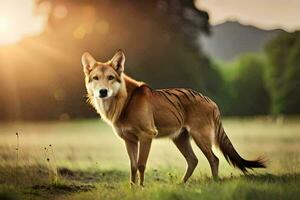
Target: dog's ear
88, 62
118, 61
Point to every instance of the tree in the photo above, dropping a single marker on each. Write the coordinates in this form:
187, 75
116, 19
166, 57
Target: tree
248, 93
158, 37
284, 73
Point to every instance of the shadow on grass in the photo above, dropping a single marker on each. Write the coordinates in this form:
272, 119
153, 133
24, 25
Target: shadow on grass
93, 176
9, 194
64, 187
75, 181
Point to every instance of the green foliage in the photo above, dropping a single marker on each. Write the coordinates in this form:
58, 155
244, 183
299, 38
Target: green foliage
284, 73
258, 85
246, 93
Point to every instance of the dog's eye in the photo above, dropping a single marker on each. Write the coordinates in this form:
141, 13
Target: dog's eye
95, 78
110, 77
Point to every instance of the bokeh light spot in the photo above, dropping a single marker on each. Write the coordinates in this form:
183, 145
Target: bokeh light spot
64, 117
102, 27
59, 95
80, 32
60, 11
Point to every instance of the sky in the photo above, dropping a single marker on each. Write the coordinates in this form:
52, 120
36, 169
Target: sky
265, 14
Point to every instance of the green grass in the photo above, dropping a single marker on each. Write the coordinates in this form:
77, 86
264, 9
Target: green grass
91, 163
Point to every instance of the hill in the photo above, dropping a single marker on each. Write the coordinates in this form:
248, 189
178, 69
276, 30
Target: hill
230, 39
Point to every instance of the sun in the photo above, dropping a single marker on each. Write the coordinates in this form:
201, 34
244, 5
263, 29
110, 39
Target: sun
18, 20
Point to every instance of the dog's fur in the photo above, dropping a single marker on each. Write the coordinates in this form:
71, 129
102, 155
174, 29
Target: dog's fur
138, 114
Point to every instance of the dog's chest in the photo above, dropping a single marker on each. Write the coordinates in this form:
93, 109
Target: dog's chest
102, 108
132, 131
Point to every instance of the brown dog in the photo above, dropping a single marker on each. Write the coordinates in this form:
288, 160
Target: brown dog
138, 114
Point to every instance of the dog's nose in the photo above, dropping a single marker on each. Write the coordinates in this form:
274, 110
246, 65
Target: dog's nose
103, 93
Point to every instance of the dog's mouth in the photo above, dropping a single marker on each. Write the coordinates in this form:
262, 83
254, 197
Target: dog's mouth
103, 98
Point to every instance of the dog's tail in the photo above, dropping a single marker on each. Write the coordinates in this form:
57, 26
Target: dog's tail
229, 151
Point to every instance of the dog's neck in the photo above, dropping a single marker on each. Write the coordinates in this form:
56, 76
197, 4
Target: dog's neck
111, 109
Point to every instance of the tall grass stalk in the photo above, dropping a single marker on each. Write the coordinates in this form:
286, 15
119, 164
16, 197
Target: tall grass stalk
54, 163
17, 160
47, 159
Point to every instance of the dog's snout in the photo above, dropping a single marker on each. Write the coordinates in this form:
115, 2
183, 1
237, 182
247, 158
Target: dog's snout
103, 93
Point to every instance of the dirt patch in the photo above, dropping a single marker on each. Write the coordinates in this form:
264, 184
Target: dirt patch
61, 188
92, 176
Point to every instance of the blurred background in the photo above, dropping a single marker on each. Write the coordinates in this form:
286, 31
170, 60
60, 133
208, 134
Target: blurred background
244, 56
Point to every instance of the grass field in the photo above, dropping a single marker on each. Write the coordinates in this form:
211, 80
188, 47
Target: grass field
86, 160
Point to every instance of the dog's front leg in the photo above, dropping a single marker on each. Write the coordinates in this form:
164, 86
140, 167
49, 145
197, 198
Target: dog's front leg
132, 150
144, 150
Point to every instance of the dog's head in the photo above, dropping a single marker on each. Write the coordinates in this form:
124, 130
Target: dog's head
103, 80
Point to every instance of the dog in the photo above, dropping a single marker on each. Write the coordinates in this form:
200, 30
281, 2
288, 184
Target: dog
138, 114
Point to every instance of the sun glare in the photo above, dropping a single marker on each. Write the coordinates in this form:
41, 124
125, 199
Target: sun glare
4, 25
17, 21
7, 34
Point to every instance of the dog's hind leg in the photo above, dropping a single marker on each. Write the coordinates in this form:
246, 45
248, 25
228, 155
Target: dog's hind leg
183, 143
203, 138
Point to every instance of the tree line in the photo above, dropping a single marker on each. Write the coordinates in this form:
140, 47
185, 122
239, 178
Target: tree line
264, 83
